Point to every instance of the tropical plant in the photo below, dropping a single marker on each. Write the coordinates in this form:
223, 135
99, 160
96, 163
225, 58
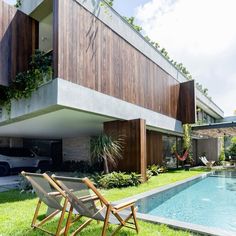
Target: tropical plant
187, 136
154, 169
222, 149
107, 149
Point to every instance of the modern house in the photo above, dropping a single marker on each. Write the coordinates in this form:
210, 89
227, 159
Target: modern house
106, 78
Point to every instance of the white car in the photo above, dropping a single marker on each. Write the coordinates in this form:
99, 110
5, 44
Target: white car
20, 158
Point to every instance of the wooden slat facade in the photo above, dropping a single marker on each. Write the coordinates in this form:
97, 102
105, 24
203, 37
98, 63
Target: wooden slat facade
18, 40
89, 53
154, 148
134, 134
187, 108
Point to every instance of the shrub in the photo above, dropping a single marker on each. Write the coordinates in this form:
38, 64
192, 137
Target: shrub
24, 184
118, 180
222, 155
153, 169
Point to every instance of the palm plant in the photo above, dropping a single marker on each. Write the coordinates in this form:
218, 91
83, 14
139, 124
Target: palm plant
107, 149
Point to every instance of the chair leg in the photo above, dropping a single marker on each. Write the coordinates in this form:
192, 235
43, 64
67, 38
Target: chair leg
47, 218
82, 227
61, 217
123, 222
134, 217
106, 221
36, 214
68, 222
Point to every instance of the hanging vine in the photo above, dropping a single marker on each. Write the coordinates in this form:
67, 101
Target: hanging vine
25, 83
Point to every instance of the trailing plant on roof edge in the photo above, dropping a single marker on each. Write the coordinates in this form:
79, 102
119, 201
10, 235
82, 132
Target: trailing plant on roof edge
25, 83
18, 3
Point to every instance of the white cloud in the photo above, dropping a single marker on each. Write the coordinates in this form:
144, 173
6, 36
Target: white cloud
202, 35
12, 2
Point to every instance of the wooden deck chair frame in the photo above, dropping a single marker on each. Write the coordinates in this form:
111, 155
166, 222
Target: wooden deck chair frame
57, 193
110, 209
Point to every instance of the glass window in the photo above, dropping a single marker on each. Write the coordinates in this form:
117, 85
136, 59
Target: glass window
169, 144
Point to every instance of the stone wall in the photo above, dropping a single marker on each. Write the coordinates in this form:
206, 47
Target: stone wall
77, 149
11, 142
4, 142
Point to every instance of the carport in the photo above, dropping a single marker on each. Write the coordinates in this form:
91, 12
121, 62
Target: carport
210, 137
215, 130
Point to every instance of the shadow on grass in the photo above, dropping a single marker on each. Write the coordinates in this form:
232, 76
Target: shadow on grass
93, 229
15, 196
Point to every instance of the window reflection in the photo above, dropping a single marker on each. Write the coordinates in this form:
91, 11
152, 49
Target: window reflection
171, 143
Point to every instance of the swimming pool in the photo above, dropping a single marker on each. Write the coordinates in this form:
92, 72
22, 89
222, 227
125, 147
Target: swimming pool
204, 204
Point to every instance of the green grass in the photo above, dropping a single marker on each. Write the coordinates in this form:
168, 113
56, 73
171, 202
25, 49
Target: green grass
16, 210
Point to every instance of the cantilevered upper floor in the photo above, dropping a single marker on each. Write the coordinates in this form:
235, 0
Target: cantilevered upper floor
94, 47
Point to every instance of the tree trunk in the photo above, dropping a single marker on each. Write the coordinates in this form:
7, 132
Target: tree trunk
106, 169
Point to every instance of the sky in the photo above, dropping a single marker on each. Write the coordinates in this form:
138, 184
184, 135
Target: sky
199, 33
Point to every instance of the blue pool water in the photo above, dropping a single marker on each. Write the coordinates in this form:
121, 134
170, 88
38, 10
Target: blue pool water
209, 202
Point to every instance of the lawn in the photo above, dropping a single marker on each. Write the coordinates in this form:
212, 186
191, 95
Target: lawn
16, 210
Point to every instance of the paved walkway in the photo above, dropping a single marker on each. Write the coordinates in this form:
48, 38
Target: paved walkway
9, 182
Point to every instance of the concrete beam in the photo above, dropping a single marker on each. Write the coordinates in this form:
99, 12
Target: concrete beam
59, 94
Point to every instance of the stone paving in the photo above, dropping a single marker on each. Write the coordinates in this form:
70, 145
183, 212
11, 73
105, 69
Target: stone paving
9, 182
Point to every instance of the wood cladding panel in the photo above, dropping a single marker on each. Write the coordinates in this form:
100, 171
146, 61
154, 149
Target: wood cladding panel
90, 54
18, 40
154, 148
134, 153
187, 105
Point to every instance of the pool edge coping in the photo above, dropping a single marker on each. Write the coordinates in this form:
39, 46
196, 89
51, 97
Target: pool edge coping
203, 230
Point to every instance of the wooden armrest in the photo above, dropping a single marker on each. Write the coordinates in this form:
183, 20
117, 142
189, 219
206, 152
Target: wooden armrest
91, 198
123, 205
54, 193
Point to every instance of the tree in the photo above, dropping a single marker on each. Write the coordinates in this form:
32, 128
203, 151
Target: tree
107, 149
232, 148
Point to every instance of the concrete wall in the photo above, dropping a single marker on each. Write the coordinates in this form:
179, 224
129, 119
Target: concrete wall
77, 149
45, 33
211, 148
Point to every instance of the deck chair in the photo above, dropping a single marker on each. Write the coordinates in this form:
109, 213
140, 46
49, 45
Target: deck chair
84, 198
50, 194
207, 163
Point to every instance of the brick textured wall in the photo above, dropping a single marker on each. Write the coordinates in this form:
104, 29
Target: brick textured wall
4, 142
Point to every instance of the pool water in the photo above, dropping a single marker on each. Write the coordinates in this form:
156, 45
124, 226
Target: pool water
208, 202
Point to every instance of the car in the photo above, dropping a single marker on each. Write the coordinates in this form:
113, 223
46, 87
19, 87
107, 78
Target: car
20, 158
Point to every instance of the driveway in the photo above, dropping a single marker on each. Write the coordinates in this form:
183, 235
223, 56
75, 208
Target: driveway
9, 182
